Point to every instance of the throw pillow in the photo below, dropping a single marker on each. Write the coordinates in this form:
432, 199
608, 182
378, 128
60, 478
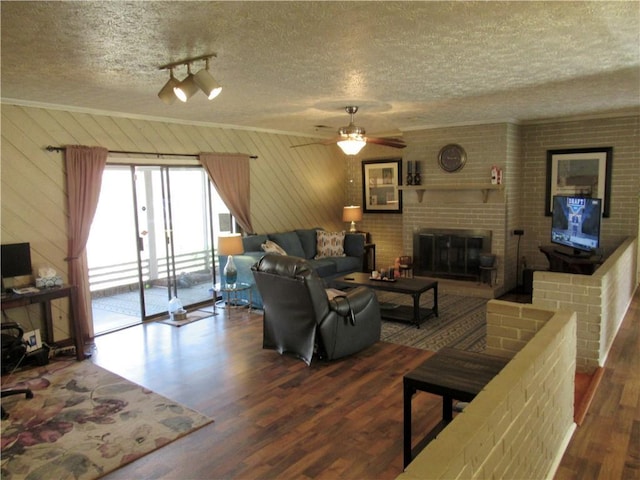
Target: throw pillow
273, 247
330, 244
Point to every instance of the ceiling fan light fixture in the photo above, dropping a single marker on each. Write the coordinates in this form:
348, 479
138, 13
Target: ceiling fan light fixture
352, 145
166, 93
207, 83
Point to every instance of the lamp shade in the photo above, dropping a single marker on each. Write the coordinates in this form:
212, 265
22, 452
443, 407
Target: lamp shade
230, 244
352, 145
187, 88
352, 213
166, 93
207, 84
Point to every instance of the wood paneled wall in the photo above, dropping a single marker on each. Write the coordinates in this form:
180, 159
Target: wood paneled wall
290, 188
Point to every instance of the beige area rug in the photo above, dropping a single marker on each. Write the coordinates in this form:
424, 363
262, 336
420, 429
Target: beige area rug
84, 422
191, 317
461, 323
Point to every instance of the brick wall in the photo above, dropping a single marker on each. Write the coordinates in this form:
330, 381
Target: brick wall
600, 301
511, 325
521, 152
520, 424
621, 133
485, 145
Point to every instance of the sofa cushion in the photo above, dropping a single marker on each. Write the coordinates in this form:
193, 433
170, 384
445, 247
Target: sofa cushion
273, 247
347, 264
354, 244
308, 241
324, 267
290, 242
252, 243
329, 244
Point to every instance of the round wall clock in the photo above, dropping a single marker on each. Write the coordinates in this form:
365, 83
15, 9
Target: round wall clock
452, 158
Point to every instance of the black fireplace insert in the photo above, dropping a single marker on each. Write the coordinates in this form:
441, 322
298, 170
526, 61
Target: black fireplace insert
450, 253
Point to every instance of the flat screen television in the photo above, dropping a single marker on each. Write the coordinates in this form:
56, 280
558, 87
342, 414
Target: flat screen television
575, 223
16, 260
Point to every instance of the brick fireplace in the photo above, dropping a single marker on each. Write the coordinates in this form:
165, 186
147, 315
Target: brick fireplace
449, 253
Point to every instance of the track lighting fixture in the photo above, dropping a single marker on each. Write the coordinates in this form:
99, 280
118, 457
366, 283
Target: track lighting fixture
207, 83
166, 93
185, 89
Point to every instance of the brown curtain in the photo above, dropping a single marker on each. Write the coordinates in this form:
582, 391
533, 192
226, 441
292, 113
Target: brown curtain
230, 174
84, 167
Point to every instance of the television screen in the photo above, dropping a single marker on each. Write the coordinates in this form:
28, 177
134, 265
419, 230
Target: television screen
16, 260
576, 222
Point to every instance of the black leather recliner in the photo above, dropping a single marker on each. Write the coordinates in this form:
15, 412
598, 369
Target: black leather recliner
299, 318
14, 350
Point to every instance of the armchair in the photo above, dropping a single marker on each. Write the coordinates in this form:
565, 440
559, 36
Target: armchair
299, 318
14, 351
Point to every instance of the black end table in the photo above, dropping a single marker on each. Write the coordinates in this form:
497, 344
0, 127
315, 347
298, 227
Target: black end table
409, 286
452, 374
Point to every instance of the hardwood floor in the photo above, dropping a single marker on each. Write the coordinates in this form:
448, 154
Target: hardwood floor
607, 444
277, 418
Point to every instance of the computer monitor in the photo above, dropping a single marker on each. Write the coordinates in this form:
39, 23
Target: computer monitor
16, 264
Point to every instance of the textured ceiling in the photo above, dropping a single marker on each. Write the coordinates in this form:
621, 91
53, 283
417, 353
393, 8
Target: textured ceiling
288, 66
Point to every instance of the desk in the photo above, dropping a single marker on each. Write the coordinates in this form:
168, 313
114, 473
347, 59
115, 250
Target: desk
44, 297
567, 263
451, 374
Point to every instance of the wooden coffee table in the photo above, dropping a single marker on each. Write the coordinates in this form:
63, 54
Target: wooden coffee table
409, 286
452, 374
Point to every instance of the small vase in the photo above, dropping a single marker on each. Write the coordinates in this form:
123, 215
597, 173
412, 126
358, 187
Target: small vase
409, 179
417, 180
230, 272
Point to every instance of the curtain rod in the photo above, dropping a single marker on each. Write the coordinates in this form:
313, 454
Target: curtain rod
51, 148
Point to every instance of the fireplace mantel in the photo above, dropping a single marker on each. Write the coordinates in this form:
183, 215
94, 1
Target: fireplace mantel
485, 188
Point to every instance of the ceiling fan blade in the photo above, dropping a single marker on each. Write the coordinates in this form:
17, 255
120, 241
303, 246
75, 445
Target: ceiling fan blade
387, 142
322, 142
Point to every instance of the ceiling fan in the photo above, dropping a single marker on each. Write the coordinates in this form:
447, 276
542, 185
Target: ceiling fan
351, 139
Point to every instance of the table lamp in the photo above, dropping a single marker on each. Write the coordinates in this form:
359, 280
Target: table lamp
230, 245
353, 214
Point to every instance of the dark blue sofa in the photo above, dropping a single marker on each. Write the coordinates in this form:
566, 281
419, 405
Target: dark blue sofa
298, 243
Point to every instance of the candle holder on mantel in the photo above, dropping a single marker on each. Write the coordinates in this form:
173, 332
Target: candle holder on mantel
417, 180
409, 173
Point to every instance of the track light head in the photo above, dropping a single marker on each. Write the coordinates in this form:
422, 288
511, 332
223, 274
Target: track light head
166, 93
207, 83
187, 87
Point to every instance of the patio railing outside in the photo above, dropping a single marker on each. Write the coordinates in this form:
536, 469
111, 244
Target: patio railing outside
123, 277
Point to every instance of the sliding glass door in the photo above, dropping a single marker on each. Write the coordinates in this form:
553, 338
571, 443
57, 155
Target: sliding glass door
175, 236
154, 235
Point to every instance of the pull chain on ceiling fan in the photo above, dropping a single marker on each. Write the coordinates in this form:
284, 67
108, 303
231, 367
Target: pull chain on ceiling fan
352, 138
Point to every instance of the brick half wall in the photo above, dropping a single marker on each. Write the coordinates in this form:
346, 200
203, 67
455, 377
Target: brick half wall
521, 423
600, 301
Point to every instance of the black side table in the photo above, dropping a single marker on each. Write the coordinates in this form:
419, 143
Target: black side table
452, 374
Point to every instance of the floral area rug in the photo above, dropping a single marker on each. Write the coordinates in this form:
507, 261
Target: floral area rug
83, 422
461, 323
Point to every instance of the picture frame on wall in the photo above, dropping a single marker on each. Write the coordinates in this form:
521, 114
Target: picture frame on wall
580, 172
380, 181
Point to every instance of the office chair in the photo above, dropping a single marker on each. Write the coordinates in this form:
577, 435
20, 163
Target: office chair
14, 351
